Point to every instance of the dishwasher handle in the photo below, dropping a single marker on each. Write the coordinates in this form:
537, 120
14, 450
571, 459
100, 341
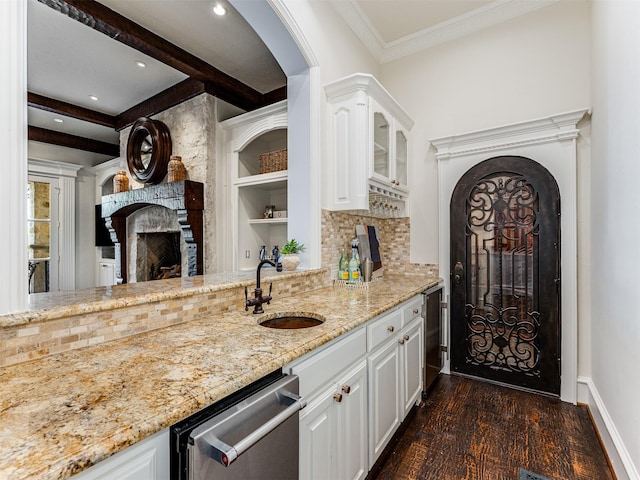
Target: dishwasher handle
226, 454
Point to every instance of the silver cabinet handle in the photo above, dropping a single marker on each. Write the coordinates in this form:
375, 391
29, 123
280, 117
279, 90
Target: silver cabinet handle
406, 337
401, 341
415, 311
390, 328
346, 389
337, 397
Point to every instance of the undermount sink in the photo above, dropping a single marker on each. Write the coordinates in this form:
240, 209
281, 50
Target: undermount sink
291, 320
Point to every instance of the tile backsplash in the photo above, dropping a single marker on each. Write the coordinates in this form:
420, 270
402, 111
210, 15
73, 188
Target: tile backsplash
338, 229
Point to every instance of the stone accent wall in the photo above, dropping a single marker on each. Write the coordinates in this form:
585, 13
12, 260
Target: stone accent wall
36, 340
339, 228
192, 126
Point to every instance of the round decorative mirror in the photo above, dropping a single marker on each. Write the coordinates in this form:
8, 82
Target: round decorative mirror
148, 150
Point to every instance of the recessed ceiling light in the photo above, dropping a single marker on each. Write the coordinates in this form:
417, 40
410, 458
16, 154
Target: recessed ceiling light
219, 9
58, 120
141, 64
94, 98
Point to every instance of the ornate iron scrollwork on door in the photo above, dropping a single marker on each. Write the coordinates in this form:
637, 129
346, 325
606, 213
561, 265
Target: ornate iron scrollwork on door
502, 324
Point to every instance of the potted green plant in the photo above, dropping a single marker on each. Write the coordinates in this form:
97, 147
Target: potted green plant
289, 254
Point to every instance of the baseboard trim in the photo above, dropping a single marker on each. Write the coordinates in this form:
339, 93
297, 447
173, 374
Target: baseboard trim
618, 455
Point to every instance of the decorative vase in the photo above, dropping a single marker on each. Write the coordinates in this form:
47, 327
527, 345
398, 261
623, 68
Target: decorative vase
177, 170
290, 261
120, 182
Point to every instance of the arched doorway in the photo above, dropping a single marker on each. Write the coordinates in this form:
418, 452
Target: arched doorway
505, 274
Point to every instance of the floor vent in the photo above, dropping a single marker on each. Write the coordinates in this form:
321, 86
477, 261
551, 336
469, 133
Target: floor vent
527, 475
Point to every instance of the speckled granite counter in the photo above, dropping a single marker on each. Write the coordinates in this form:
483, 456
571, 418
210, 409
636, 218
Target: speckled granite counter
63, 413
53, 305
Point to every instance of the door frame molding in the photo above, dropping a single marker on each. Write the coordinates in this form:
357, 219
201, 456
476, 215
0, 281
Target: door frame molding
552, 142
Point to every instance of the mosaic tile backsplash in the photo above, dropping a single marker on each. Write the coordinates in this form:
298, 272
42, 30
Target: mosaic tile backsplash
339, 228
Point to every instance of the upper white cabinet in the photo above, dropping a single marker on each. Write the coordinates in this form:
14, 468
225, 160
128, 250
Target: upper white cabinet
368, 161
255, 187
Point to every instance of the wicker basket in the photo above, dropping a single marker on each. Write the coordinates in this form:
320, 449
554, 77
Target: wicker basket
273, 161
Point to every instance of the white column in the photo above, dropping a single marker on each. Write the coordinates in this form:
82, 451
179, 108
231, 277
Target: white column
13, 138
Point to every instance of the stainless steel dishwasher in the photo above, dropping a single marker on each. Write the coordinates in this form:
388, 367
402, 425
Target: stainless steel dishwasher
252, 436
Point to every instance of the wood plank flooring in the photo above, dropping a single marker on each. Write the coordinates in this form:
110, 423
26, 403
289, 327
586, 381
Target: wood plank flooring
474, 430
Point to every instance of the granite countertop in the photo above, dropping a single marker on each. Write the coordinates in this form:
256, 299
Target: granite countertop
66, 412
52, 305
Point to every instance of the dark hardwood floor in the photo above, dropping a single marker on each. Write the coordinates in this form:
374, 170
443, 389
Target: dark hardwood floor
469, 429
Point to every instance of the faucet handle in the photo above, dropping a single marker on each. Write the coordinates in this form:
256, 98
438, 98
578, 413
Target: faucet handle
246, 299
270, 287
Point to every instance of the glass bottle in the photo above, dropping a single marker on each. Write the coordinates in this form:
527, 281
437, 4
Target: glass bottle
343, 267
354, 263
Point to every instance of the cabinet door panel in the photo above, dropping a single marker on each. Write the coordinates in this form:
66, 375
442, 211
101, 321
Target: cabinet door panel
317, 432
352, 425
146, 460
384, 397
412, 360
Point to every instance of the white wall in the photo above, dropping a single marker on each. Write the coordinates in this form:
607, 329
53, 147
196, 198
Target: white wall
86, 264
337, 49
529, 67
526, 68
615, 229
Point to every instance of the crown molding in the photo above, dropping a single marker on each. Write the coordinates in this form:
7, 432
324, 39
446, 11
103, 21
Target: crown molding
356, 19
554, 128
476, 20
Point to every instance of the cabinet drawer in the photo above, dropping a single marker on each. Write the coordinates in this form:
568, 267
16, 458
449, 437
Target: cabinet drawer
411, 310
383, 328
329, 362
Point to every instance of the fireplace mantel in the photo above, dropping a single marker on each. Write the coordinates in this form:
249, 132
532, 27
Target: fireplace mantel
185, 197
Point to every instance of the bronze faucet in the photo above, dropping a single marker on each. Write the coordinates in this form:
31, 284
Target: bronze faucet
258, 299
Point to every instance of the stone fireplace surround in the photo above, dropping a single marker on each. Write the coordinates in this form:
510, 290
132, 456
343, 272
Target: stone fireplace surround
184, 198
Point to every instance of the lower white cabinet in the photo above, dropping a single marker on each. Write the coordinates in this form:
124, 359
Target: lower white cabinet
384, 397
395, 382
146, 460
333, 430
106, 273
412, 363
359, 389
351, 413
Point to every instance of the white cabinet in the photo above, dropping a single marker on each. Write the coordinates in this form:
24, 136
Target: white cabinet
395, 373
411, 363
384, 397
317, 437
333, 430
106, 272
146, 460
351, 414
359, 388
369, 148
252, 188
333, 426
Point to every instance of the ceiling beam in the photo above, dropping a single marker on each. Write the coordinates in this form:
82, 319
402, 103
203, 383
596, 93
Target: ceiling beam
120, 28
43, 135
69, 110
168, 98
275, 95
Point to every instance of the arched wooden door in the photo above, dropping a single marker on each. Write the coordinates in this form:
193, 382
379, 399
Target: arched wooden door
505, 274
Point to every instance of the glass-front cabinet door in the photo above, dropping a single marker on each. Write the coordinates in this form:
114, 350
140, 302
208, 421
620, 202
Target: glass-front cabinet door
381, 143
402, 175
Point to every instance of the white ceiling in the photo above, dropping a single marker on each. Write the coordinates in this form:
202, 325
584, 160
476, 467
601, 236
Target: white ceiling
69, 61
393, 29
397, 19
